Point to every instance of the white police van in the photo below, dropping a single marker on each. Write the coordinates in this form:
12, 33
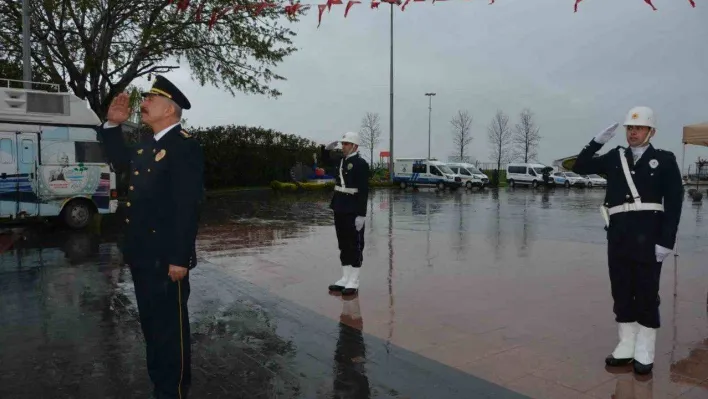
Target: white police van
51, 163
424, 172
470, 175
530, 174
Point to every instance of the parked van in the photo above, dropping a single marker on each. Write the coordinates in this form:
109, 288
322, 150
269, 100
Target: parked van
424, 172
471, 176
525, 174
50, 161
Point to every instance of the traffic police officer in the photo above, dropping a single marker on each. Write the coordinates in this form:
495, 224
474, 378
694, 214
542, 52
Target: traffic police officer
642, 210
349, 202
166, 187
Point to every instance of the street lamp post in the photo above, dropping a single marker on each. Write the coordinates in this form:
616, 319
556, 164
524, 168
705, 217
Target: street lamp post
430, 111
390, 155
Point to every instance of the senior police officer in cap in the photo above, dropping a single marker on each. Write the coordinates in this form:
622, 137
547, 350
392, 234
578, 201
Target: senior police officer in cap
349, 201
642, 210
166, 187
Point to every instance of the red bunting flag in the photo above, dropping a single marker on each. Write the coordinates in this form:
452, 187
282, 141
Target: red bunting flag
330, 2
319, 18
212, 20
292, 9
405, 4
693, 3
349, 5
200, 7
652, 5
375, 4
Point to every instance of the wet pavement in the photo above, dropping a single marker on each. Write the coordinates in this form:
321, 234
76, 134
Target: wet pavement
500, 294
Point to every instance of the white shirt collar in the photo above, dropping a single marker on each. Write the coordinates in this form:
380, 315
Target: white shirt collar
352, 154
164, 131
639, 151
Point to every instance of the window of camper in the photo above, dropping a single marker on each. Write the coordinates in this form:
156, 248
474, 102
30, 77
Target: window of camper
6, 153
27, 151
419, 168
88, 151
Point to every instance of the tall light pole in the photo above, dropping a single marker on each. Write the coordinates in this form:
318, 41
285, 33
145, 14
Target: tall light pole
430, 112
26, 67
390, 155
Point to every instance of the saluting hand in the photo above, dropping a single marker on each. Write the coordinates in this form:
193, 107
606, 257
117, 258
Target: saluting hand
607, 134
177, 273
119, 111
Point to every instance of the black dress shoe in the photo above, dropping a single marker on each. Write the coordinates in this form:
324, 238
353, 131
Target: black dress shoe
335, 287
642, 369
612, 362
349, 291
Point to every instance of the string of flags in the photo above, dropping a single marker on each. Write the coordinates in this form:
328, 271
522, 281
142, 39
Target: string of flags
293, 8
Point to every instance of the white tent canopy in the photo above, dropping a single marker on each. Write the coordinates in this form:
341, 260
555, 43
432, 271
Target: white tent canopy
696, 134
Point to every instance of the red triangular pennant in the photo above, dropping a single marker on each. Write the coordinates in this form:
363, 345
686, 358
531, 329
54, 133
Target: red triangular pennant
652, 5
375, 4
405, 4
349, 5
322, 7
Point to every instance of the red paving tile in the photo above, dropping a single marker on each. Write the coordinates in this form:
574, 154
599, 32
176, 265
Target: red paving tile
543, 389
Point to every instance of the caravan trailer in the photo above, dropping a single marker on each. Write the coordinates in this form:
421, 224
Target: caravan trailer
51, 163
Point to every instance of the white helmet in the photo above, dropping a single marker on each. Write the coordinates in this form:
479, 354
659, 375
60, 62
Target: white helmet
640, 116
350, 137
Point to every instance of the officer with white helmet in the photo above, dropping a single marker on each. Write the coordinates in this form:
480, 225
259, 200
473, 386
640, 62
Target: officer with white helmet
642, 209
349, 202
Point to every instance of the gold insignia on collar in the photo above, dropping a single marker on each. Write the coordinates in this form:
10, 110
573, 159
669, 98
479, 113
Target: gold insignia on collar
160, 155
185, 134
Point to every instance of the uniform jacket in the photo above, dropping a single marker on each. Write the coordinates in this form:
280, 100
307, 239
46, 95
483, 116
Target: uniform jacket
355, 171
658, 180
165, 192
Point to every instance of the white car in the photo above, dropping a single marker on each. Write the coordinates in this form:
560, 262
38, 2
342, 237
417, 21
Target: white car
595, 181
568, 179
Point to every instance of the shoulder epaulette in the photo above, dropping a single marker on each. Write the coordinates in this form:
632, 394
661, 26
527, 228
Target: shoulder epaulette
185, 134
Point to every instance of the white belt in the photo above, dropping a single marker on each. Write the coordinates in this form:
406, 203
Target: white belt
642, 206
346, 190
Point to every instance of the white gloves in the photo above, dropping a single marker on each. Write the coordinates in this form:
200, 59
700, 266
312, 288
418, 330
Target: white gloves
359, 223
331, 145
607, 134
661, 253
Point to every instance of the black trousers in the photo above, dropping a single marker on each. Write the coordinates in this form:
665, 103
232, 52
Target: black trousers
635, 289
351, 242
162, 304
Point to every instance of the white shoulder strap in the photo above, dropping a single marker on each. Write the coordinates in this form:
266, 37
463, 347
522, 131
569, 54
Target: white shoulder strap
341, 176
628, 176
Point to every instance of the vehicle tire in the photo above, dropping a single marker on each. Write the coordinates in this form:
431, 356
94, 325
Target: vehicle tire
589, 184
403, 185
468, 185
77, 214
441, 186
567, 184
534, 184
511, 183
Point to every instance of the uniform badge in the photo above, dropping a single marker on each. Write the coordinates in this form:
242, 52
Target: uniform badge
350, 166
160, 155
140, 151
653, 163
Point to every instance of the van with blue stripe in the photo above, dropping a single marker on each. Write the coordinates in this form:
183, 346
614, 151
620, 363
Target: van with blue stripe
51, 163
414, 172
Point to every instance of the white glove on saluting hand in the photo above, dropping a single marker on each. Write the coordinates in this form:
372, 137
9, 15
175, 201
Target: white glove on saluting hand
359, 223
661, 253
606, 135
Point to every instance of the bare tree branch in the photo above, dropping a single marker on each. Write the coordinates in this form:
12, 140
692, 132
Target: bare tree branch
461, 133
370, 133
526, 138
499, 141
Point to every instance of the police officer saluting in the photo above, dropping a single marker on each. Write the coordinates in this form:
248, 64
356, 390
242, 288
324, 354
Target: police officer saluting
642, 210
166, 187
349, 202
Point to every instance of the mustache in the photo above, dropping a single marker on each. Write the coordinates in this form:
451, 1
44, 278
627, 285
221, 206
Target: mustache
143, 110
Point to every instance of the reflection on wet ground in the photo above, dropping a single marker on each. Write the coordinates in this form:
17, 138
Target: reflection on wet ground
463, 295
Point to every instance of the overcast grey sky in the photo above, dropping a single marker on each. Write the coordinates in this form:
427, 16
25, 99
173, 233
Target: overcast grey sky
577, 72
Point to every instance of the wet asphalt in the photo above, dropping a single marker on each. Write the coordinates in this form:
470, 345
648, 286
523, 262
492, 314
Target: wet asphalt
464, 294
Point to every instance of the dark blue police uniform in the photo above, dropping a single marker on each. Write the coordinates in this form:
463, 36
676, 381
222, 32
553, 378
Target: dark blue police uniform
165, 192
349, 201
